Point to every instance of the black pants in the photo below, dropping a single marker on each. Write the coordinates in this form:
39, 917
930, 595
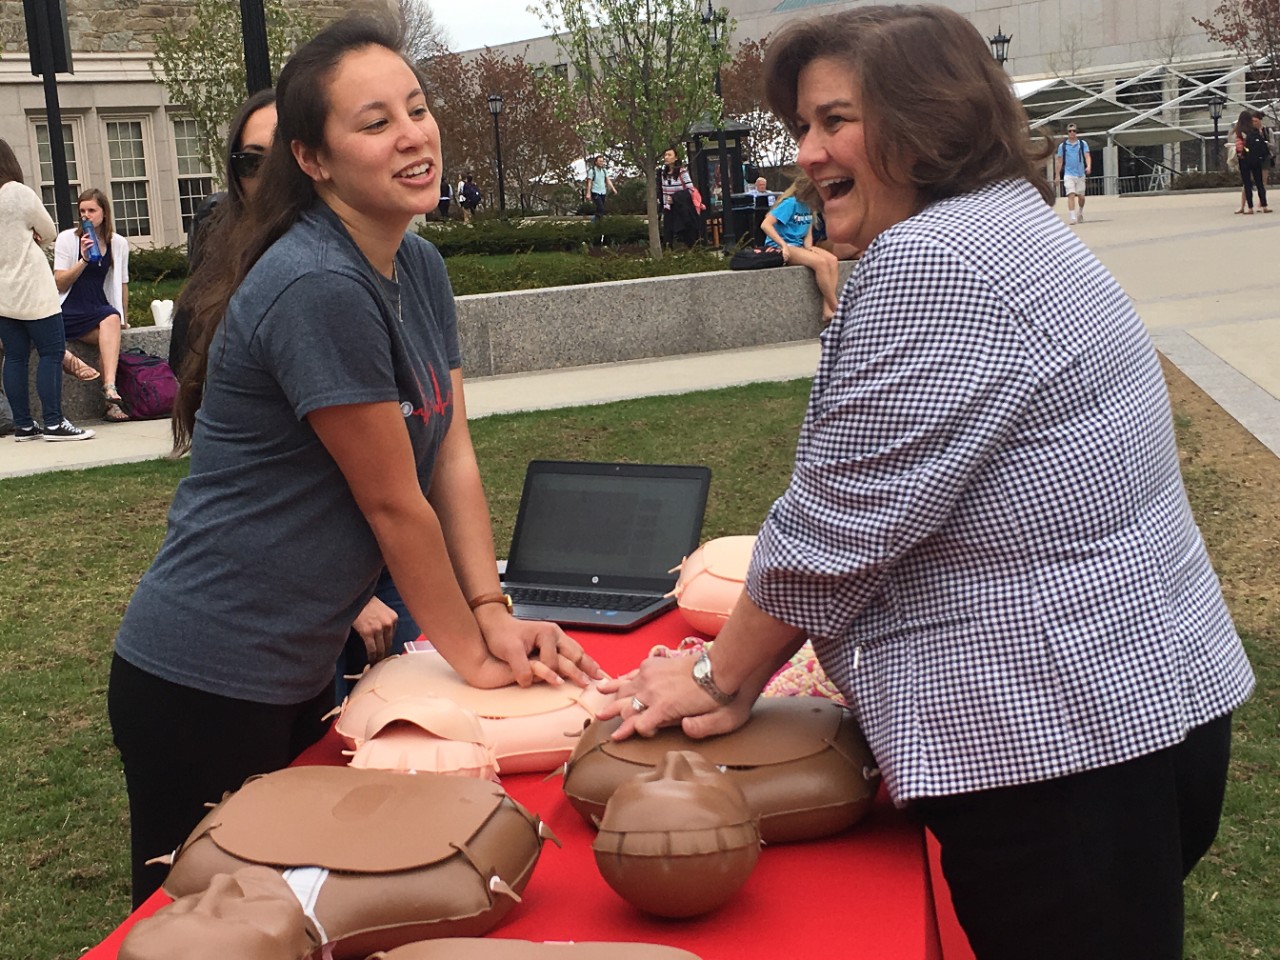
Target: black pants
183, 747
1250, 174
1086, 866
598, 200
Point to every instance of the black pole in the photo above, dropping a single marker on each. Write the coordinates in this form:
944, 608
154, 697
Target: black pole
1217, 147
727, 238
257, 61
44, 63
497, 143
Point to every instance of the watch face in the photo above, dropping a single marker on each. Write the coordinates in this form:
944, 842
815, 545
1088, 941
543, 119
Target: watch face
701, 668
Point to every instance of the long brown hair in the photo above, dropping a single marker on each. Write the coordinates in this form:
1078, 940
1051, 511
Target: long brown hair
9, 168
930, 91
106, 231
283, 196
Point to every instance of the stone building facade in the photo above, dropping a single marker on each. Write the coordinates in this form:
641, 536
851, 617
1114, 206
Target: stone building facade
122, 133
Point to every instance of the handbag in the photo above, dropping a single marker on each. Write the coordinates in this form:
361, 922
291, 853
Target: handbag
755, 258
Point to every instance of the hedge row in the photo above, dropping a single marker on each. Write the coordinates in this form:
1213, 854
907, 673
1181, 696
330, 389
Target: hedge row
474, 274
1217, 178
532, 235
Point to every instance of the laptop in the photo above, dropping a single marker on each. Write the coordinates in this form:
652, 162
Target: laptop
594, 543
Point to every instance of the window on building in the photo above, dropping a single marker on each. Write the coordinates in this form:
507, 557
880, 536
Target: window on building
130, 207
195, 173
539, 71
561, 70
45, 153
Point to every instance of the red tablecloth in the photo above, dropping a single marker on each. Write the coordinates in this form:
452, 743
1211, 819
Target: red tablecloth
866, 893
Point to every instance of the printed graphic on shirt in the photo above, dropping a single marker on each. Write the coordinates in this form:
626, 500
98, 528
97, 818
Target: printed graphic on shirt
438, 406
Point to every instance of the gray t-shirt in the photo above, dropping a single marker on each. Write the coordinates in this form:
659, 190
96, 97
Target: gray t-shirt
268, 559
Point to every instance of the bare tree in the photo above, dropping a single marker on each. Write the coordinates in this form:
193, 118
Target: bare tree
1172, 34
423, 36
1074, 55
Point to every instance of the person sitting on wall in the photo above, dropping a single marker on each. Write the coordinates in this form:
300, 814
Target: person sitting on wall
788, 226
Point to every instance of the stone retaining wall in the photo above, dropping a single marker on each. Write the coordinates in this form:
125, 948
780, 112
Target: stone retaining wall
555, 327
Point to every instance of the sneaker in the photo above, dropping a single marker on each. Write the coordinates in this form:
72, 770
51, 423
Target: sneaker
1073, 218
67, 430
1082, 216
32, 432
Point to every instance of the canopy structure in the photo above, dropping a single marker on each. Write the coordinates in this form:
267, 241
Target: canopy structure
1156, 114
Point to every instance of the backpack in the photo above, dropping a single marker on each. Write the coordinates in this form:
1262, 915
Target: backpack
146, 384
471, 194
755, 258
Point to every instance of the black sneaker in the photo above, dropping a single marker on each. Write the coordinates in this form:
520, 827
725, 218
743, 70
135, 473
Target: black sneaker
32, 432
67, 430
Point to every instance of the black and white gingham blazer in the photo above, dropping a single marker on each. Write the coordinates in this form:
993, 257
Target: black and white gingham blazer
986, 533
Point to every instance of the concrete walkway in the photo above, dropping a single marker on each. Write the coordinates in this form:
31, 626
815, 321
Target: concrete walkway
1203, 279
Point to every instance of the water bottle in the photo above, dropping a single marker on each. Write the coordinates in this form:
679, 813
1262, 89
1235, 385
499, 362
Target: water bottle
95, 251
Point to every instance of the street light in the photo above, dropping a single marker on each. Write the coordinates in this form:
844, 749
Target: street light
495, 108
1216, 103
1000, 46
713, 19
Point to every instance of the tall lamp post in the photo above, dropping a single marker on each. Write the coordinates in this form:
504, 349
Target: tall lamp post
713, 20
1216, 103
495, 109
1000, 46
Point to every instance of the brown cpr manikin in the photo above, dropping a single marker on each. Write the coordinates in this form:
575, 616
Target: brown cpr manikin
249, 915
801, 762
377, 859
678, 840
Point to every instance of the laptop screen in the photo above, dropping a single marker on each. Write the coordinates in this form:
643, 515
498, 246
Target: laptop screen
618, 526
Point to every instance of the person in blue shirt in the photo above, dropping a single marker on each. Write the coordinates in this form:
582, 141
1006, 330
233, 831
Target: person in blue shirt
788, 226
598, 182
1074, 166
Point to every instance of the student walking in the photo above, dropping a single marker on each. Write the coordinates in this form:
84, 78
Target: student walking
1074, 164
599, 181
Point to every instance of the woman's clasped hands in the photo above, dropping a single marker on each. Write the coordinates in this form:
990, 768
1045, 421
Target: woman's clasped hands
527, 651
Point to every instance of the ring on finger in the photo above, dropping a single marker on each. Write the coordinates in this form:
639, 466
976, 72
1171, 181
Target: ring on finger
638, 706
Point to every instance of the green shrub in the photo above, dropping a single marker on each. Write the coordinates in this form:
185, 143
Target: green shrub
479, 274
158, 263
1205, 180
532, 235
631, 197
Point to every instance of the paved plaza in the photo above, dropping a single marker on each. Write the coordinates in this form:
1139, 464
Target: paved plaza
1203, 279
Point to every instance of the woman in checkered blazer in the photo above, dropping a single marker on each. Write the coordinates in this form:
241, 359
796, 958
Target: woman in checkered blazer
986, 534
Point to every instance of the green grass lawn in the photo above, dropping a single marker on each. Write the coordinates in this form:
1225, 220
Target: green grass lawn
75, 544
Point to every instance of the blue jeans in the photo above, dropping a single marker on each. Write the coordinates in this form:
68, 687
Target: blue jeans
50, 342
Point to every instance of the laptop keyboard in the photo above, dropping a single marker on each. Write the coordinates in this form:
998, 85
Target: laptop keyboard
582, 599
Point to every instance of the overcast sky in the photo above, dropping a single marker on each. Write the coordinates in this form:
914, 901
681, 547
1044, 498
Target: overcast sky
479, 23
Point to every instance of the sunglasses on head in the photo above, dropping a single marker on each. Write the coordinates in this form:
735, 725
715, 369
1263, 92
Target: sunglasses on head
245, 165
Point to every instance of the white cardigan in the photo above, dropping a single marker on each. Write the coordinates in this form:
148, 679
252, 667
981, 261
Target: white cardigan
67, 251
27, 289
